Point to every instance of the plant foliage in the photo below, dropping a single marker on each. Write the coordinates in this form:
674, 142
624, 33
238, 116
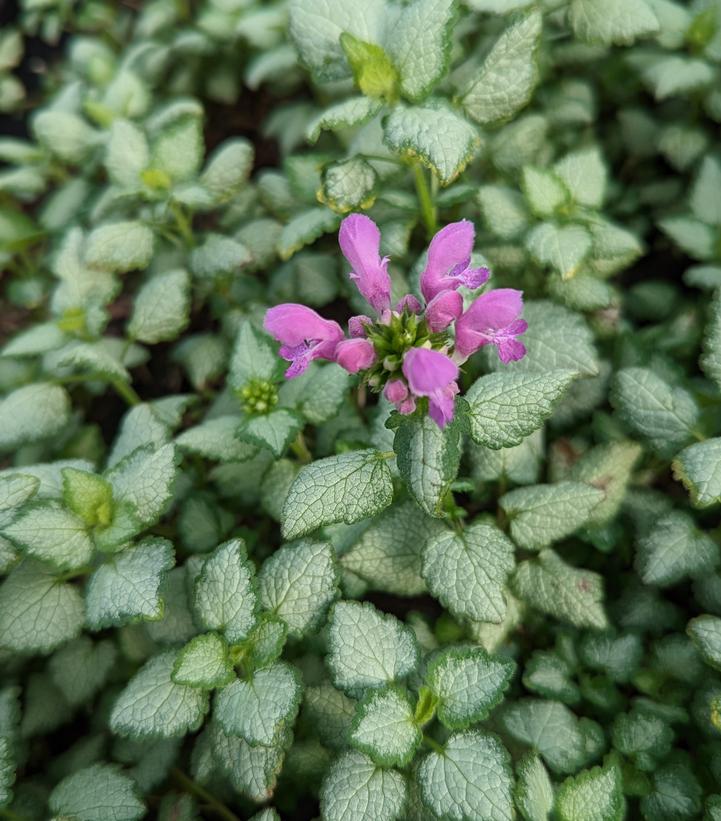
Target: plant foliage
227, 594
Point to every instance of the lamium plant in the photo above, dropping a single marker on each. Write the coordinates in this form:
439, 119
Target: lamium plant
360, 410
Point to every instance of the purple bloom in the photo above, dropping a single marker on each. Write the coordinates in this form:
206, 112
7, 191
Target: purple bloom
357, 325
409, 303
493, 319
355, 354
443, 309
413, 334
432, 374
303, 334
449, 261
396, 391
360, 241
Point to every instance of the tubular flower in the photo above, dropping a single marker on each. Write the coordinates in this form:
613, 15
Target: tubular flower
449, 261
493, 319
432, 374
360, 242
411, 352
304, 335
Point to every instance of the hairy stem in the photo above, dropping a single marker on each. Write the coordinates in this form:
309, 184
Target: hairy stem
126, 391
433, 744
123, 389
300, 449
425, 200
183, 224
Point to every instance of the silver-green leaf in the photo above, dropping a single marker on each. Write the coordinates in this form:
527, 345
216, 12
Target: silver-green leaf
467, 571
152, 705
368, 649
470, 779
344, 488
507, 406
508, 75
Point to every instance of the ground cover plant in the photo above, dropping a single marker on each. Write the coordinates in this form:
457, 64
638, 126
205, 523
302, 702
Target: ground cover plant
360, 410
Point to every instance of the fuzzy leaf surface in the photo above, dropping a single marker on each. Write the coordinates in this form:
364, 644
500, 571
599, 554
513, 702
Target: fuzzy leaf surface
468, 683
468, 571
368, 649
506, 407
472, 779
344, 488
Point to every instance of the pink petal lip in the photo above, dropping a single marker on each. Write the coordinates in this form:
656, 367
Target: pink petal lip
433, 374
441, 406
360, 240
428, 371
493, 319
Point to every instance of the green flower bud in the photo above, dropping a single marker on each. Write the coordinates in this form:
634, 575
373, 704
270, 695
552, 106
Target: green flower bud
258, 396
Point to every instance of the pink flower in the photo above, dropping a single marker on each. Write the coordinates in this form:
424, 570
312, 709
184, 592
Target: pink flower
409, 303
360, 241
449, 261
377, 346
355, 354
303, 334
493, 319
443, 309
432, 374
396, 391
357, 325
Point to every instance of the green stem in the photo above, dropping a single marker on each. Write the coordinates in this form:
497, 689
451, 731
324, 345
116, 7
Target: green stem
126, 391
183, 9
457, 525
183, 224
126, 347
75, 574
428, 210
433, 744
122, 388
11, 816
200, 792
300, 449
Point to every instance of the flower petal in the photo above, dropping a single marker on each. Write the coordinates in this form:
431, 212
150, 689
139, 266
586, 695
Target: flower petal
408, 303
293, 324
428, 371
496, 309
407, 406
441, 407
450, 248
443, 309
357, 325
510, 350
472, 278
395, 391
355, 354
360, 241
492, 319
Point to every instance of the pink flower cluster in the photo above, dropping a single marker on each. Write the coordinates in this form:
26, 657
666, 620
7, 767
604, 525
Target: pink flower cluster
431, 368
